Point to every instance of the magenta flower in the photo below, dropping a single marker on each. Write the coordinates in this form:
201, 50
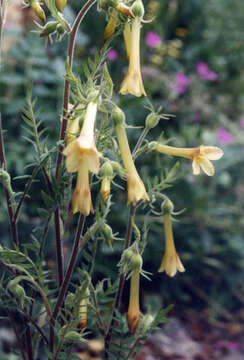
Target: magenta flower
242, 122
224, 136
112, 55
205, 73
152, 39
181, 83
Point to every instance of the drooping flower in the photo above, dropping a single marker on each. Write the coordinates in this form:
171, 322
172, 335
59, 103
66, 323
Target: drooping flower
82, 157
224, 136
170, 262
205, 73
132, 83
133, 314
200, 156
135, 188
152, 39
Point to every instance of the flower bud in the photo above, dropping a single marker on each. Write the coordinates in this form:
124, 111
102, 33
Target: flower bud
49, 28
60, 5
127, 255
125, 10
105, 189
18, 291
72, 336
107, 170
167, 206
136, 262
38, 10
152, 120
152, 145
83, 310
107, 234
5, 179
138, 8
118, 117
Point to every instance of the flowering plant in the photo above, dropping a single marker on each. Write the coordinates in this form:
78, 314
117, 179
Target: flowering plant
93, 144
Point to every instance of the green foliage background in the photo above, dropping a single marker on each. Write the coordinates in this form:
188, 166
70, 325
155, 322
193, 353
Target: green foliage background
209, 234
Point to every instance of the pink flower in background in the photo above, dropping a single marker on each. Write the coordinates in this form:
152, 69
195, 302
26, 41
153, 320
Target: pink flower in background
224, 136
229, 345
152, 39
181, 83
242, 122
112, 55
205, 73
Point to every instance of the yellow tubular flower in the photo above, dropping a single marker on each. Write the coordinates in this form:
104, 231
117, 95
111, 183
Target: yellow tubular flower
83, 311
111, 25
105, 189
38, 10
72, 130
135, 187
171, 261
132, 83
82, 156
200, 156
81, 201
133, 314
60, 5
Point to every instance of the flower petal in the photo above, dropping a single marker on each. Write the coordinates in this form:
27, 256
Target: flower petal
195, 166
212, 152
206, 166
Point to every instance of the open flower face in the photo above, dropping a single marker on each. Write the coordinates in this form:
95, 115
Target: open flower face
170, 261
200, 156
202, 159
132, 83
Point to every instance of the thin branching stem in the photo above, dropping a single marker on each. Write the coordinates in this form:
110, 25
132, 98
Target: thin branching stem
101, 325
71, 46
17, 335
140, 141
68, 274
28, 342
9, 201
121, 284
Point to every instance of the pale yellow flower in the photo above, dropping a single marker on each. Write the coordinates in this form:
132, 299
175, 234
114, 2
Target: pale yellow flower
105, 189
133, 314
132, 83
200, 156
170, 261
135, 187
82, 156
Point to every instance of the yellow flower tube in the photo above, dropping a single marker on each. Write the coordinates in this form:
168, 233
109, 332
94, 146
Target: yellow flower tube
200, 156
82, 156
133, 314
132, 83
170, 261
135, 187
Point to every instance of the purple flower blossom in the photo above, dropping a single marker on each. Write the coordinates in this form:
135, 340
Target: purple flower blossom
152, 39
224, 136
181, 83
112, 55
242, 122
225, 344
205, 73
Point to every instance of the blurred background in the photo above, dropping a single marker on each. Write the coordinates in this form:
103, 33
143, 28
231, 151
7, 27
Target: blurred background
192, 55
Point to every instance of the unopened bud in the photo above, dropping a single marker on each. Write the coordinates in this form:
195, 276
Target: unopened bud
107, 234
105, 189
125, 10
60, 5
72, 336
138, 9
38, 10
107, 170
152, 120
118, 116
49, 28
136, 262
5, 179
167, 207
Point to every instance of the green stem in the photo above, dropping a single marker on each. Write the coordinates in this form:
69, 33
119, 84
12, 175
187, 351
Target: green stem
71, 45
120, 288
